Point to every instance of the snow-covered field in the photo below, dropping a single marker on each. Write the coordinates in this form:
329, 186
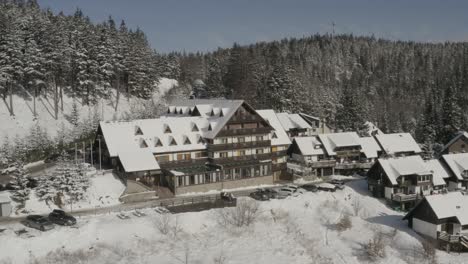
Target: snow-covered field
24, 119
294, 230
104, 190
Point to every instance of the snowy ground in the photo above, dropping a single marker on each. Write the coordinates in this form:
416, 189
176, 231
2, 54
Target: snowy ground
23, 119
104, 191
294, 230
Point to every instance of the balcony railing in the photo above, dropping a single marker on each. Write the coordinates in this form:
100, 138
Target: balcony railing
356, 165
242, 145
322, 164
244, 131
244, 118
266, 156
348, 153
279, 153
182, 163
401, 197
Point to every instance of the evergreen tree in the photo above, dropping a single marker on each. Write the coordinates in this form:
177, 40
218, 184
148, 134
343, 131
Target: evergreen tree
20, 184
351, 115
452, 115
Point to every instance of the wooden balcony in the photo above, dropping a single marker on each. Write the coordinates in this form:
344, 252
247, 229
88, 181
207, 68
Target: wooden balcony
253, 158
280, 153
321, 164
244, 118
243, 145
401, 197
348, 153
353, 165
244, 131
182, 163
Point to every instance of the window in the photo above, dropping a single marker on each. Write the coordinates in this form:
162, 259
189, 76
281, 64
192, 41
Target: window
172, 142
241, 139
195, 128
181, 181
187, 141
200, 140
158, 142
258, 151
221, 113
209, 127
462, 145
274, 149
143, 143
192, 179
224, 140
274, 135
223, 154
259, 138
162, 158
207, 178
250, 125
138, 131
241, 153
167, 130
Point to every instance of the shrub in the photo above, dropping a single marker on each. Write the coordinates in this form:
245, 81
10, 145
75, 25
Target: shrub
375, 249
344, 223
244, 214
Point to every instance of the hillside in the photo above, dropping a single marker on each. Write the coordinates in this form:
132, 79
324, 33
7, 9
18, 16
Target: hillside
301, 229
22, 122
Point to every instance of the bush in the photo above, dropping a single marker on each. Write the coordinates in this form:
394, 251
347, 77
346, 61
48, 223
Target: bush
429, 252
244, 214
375, 249
344, 223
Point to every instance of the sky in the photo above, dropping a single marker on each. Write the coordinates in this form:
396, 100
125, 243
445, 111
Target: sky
205, 25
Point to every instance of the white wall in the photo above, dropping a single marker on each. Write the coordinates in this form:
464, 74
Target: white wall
425, 228
388, 192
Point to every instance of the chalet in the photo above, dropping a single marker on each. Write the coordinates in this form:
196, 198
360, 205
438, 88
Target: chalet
309, 152
319, 126
457, 165
350, 152
440, 175
294, 125
198, 145
398, 144
442, 217
459, 144
280, 143
401, 180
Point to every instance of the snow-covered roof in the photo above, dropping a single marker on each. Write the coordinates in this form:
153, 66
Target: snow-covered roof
278, 135
292, 121
369, 147
138, 160
458, 163
459, 135
396, 167
216, 111
5, 197
372, 129
159, 135
438, 172
452, 204
309, 145
397, 143
336, 140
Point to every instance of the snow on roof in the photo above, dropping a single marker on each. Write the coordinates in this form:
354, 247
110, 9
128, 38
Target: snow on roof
5, 197
309, 145
336, 140
438, 172
396, 167
292, 121
452, 204
369, 147
217, 111
398, 142
281, 137
309, 116
326, 185
122, 136
458, 163
138, 160
459, 135
372, 129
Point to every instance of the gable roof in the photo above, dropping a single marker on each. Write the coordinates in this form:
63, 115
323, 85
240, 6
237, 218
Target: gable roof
397, 142
138, 160
292, 121
309, 145
452, 204
458, 136
439, 174
396, 167
281, 137
335, 140
369, 147
457, 163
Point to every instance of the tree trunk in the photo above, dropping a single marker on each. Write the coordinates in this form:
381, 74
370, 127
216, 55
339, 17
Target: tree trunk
117, 97
56, 99
61, 98
34, 102
12, 113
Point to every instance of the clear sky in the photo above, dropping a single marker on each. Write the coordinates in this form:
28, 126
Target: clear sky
204, 25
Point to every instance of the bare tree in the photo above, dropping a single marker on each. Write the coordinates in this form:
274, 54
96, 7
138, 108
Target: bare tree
244, 214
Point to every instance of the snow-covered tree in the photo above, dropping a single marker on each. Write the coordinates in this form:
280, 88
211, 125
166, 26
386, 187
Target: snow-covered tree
351, 114
20, 184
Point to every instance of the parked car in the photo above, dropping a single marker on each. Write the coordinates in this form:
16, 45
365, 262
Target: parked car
284, 192
327, 187
296, 189
59, 217
310, 187
259, 195
38, 222
227, 196
340, 185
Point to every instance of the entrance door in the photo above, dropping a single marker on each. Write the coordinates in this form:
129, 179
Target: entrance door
449, 228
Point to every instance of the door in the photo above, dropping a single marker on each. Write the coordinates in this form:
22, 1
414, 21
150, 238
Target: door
449, 228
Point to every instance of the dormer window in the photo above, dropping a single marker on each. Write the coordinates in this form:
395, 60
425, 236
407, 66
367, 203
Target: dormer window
168, 110
167, 129
195, 128
274, 135
210, 128
200, 140
175, 110
187, 141
464, 174
138, 131
143, 143
221, 113
172, 142
181, 112
190, 111
157, 142
212, 112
